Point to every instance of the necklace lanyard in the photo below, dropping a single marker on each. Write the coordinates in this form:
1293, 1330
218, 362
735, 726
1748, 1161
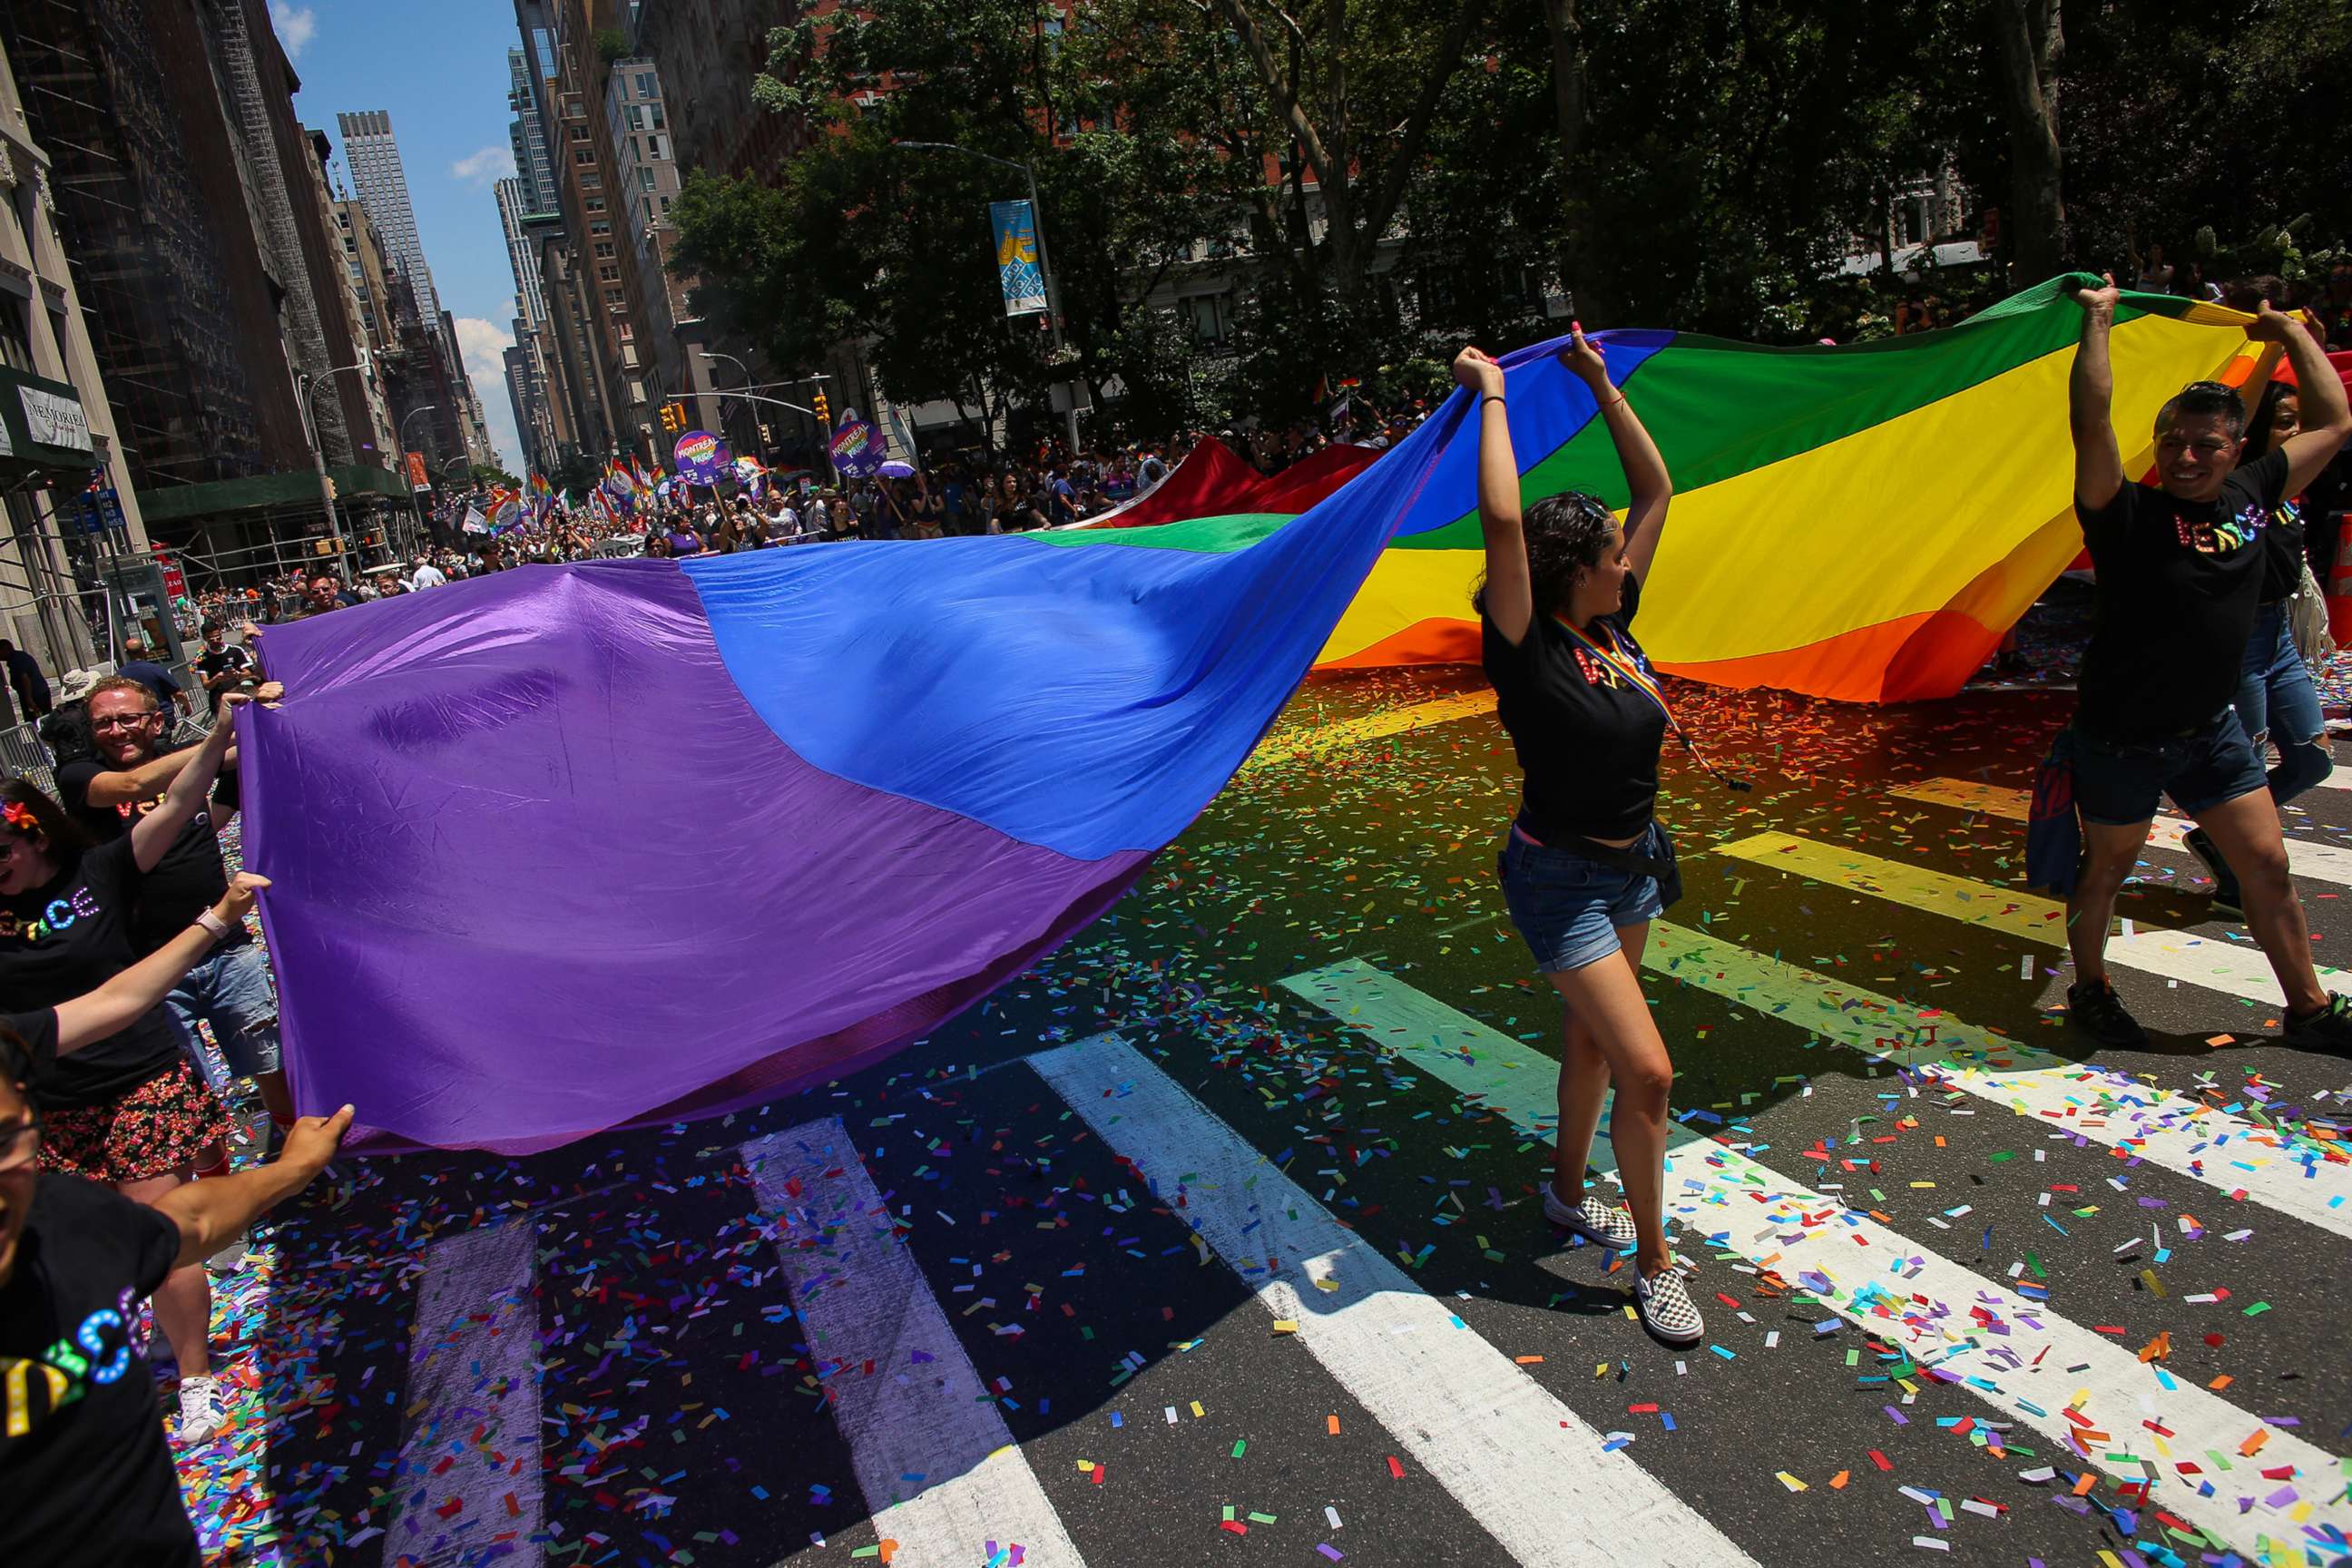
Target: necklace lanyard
1627, 663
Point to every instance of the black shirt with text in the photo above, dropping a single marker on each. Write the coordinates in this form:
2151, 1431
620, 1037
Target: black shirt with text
190, 878
2179, 583
83, 1463
70, 936
1587, 735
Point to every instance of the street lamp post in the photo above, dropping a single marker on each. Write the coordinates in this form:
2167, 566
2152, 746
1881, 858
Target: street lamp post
1044, 268
415, 507
743, 371
305, 385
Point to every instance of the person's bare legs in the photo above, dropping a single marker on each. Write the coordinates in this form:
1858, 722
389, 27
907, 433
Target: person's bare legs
1607, 998
184, 1303
1584, 1086
2109, 854
2246, 831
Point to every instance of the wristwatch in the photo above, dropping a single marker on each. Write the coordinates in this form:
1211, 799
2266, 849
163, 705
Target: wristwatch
215, 924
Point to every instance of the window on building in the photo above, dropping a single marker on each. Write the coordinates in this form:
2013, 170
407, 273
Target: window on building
655, 119
1210, 316
583, 154
600, 227
16, 347
579, 132
664, 206
644, 179
610, 271
646, 84
636, 117
595, 203
590, 180
654, 147
603, 250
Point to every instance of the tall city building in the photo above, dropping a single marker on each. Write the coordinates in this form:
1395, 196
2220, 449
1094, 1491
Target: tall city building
185, 204
514, 207
61, 465
527, 132
374, 158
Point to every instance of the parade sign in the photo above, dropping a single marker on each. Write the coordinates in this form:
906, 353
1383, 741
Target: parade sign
700, 456
857, 447
1023, 281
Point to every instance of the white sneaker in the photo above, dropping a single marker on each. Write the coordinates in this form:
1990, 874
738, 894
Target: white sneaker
204, 1410
1593, 1220
1664, 1303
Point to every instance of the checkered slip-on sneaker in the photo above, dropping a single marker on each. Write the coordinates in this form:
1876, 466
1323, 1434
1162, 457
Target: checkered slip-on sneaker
1664, 1303
1593, 1220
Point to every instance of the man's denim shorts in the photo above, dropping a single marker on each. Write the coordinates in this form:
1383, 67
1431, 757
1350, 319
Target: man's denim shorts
2117, 782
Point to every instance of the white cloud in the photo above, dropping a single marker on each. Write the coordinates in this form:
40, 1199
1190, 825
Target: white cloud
485, 167
296, 25
482, 344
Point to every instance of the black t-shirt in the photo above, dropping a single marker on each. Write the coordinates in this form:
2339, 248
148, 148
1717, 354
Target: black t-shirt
190, 876
2325, 501
38, 1031
2283, 543
1588, 737
70, 936
2179, 583
83, 1463
229, 658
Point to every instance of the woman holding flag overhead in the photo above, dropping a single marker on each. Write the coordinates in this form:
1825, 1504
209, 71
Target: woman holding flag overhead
1585, 865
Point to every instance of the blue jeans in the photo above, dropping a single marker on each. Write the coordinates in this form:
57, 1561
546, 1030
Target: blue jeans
2276, 701
230, 990
1569, 908
2118, 783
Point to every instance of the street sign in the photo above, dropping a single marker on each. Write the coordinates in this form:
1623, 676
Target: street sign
101, 510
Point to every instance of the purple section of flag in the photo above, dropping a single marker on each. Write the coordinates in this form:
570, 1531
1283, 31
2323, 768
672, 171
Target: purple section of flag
539, 869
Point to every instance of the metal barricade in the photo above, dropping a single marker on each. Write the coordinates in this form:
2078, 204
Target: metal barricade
25, 757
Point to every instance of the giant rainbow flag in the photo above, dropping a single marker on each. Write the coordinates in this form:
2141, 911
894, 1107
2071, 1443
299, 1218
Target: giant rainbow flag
566, 848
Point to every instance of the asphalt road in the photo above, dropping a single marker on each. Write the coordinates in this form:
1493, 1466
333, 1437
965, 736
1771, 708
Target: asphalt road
1155, 1259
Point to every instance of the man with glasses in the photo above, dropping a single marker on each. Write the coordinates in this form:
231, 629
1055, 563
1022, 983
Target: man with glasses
230, 989
2179, 567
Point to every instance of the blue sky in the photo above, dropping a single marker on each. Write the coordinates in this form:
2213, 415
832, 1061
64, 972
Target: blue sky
439, 69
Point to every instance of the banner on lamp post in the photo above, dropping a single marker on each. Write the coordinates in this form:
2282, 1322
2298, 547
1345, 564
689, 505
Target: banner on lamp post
1023, 281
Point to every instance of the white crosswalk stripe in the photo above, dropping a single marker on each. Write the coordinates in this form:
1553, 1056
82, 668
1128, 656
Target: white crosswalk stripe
942, 1478
2318, 862
2216, 962
2073, 1386
470, 1437
1523, 1464
2234, 1157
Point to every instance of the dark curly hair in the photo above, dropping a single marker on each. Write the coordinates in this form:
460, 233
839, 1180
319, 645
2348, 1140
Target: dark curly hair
2265, 419
64, 836
1566, 533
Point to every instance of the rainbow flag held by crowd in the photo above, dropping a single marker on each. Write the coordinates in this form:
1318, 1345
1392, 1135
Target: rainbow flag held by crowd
492, 928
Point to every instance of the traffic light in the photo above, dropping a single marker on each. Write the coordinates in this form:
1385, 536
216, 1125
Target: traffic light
823, 409
331, 487
673, 417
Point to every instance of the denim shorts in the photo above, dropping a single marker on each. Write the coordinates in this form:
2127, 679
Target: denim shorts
230, 990
2116, 783
1569, 908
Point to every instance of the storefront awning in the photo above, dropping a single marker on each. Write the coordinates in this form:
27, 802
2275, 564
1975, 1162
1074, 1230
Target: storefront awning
42, 428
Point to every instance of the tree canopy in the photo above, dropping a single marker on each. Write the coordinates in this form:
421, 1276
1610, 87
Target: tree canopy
1242, 201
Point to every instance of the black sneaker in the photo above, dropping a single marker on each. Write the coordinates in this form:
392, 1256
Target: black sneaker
2098, 1012
2329, 1029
